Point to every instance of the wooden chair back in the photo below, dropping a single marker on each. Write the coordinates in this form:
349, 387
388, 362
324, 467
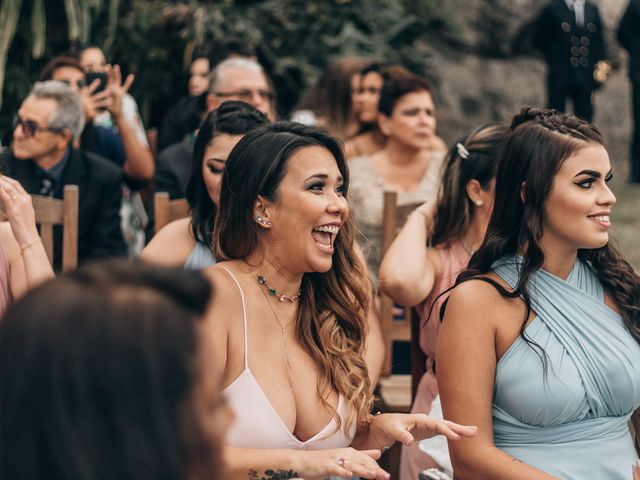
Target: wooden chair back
166, 211
50, 212
393, 218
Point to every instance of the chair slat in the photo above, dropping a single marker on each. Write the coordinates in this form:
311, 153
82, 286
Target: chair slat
166, 211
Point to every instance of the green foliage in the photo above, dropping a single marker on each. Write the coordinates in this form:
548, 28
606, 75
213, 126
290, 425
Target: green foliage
156, 39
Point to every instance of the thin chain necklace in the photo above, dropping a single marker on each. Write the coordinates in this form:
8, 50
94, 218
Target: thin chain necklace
466, 247
282, 327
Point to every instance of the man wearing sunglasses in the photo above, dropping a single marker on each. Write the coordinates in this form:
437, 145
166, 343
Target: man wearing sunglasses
43, 160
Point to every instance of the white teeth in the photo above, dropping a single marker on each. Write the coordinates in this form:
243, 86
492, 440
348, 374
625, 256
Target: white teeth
601, 218
328, 229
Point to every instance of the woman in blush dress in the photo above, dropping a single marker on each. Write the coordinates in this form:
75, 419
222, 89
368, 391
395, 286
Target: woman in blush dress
294, 297
433, 247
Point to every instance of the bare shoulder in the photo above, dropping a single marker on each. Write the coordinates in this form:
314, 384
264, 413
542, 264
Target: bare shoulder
172, 245
226, 298
479, 302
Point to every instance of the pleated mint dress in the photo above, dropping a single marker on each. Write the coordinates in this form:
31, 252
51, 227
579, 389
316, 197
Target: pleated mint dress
572, 422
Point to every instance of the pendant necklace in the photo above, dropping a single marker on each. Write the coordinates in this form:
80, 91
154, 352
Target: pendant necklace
283, 336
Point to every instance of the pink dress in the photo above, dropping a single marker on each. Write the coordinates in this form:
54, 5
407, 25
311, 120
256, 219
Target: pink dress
5, 276
454, 260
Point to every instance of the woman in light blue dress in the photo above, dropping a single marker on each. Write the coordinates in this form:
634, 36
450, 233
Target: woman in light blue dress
187, 242
539, 345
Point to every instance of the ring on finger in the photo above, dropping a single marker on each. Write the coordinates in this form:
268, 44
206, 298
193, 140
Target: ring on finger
341, 462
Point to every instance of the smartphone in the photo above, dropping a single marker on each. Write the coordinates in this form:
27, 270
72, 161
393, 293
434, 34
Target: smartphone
93, 76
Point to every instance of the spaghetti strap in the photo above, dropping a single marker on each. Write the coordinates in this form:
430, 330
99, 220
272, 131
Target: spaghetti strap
244, 319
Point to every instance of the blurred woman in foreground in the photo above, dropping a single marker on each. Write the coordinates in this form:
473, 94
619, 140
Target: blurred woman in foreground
103, 375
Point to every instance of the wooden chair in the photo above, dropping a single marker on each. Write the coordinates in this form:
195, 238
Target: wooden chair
395, 390
166, 211
50, 212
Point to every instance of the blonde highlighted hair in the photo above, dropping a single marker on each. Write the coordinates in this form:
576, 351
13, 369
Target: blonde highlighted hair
331, 318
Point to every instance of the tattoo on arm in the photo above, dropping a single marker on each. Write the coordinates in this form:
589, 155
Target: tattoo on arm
273, 475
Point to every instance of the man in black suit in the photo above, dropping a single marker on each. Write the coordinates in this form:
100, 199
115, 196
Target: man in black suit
43, 160
629, 38
569, 35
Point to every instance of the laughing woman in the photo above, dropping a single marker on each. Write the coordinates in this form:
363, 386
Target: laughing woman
294, 298
539, 344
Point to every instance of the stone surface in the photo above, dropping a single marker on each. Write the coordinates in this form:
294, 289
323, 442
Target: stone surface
472, 88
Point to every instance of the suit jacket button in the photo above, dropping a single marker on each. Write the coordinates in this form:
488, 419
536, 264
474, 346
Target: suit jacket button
584, 51
591, 27
584, 61
575, 51
565, 26
585, 41
574, 61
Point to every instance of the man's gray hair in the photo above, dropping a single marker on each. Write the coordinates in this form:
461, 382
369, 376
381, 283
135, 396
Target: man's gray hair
239, 63
69, 114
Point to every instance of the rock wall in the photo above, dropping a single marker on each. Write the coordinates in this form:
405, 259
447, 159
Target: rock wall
472, 89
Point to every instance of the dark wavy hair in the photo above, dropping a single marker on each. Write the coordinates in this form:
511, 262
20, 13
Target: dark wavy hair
538, 143
97, 377
233, 118
478, 160
56, 63
397, 84
331, 318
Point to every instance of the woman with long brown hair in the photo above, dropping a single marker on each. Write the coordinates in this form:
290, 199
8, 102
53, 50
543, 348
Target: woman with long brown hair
433, 247
293, 297
540, 340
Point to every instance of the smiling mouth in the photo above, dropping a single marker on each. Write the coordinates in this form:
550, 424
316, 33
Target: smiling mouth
325, 236
604, 219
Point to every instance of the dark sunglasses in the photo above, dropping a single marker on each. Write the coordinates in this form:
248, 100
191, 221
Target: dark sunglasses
30, 128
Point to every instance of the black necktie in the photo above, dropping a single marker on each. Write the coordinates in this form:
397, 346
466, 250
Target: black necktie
47, 184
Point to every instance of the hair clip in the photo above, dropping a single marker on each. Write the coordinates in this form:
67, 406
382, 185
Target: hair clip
462, 151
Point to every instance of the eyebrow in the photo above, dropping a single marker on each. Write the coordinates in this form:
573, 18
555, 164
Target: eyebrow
592, 173
322, 176
214, 159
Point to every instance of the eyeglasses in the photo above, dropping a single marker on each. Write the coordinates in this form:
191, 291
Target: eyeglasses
79, 83
246, 95
30, 127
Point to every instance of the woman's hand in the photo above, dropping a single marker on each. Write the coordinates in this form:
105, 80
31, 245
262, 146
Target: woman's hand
408, 428
636, 470
117, 89
341, 462
19, 210
92, 102
428, 210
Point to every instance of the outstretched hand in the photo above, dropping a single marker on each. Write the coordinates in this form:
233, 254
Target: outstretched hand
117, 88
409, 428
